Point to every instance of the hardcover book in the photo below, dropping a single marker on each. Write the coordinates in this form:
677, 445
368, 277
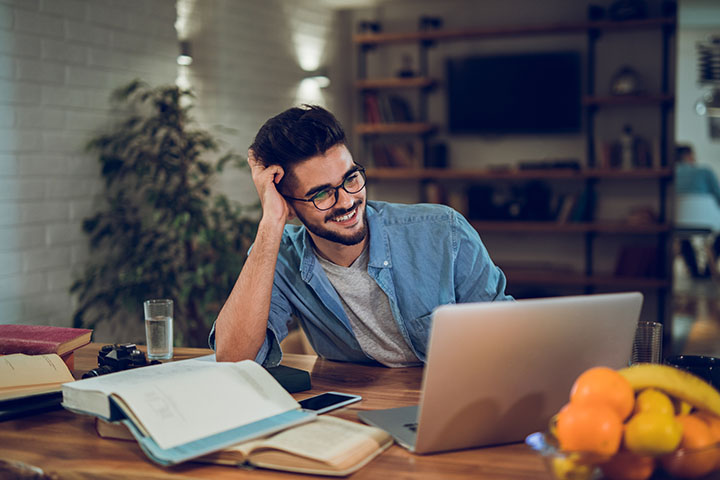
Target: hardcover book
41, 339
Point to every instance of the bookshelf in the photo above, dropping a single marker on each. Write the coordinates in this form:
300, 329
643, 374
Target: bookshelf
570, 227
593, 175
413, 174
369, 39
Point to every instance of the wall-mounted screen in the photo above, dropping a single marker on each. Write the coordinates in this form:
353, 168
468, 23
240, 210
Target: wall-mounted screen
525, 93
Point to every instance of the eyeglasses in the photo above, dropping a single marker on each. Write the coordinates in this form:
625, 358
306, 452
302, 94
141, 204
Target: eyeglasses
327, 198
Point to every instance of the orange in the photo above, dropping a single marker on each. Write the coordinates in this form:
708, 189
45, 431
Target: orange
592, 428
628, 466
694, 458
714, 423
604, 385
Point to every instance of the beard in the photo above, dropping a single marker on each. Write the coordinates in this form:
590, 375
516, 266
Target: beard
348, 239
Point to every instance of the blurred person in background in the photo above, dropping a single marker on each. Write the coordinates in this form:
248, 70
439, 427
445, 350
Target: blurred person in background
697, 205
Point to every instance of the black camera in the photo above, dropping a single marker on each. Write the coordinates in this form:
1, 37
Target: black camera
118, 357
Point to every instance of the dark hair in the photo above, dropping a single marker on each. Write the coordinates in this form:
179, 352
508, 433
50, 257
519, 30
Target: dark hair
681, 151
296, 135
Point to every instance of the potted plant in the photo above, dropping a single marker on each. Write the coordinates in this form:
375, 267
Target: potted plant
161, 232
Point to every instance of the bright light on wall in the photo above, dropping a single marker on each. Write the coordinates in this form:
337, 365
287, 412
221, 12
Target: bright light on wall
319, 76
184, 12
309, 51
309, 39
183, 26
310, 92
183, 79
185, 58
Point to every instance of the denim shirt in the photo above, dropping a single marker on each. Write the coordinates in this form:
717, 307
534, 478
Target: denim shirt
422, 256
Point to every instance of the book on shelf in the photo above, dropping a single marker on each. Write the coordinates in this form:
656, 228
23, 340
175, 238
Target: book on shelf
326, 446
584, 207
566, 204
399, 109
372, 109
394, 155
43, 339
23, 377
386, 109
402, 155
172, 409
386, 115
381, 156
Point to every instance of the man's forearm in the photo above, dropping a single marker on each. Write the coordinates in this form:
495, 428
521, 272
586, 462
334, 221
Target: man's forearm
242, 323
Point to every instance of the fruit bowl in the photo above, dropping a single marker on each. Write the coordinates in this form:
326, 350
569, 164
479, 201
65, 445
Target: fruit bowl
702, 464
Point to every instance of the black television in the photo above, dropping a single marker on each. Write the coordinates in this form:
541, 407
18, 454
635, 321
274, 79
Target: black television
515, 93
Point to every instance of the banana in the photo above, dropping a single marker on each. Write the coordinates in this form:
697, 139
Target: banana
676, 382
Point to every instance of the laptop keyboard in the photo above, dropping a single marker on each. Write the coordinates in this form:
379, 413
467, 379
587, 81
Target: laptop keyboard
411, 426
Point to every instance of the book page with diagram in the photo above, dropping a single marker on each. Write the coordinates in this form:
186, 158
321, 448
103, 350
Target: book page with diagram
179, 402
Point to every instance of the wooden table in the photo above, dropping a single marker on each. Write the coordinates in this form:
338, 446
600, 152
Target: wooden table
66, 444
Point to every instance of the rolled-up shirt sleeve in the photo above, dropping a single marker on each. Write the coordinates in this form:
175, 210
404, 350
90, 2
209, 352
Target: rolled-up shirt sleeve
270, 353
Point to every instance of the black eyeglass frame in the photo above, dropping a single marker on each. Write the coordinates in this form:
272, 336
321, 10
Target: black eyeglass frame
358, 168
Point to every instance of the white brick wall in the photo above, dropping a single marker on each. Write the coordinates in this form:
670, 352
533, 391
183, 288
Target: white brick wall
246, 67
59, 61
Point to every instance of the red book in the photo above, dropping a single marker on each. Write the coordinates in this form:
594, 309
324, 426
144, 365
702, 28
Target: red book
40, 339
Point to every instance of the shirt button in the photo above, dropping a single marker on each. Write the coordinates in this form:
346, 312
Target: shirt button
385, 263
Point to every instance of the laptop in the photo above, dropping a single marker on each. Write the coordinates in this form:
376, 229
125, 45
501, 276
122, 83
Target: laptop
497, 371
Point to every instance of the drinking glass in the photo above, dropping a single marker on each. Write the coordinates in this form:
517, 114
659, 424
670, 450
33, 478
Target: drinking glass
647, 346
159, 328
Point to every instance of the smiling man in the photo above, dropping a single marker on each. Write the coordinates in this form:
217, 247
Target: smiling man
361, 277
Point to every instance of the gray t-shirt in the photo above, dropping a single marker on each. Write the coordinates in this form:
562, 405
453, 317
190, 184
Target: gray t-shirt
368, 310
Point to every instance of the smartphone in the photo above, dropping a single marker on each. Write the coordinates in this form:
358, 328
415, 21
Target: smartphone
328, 401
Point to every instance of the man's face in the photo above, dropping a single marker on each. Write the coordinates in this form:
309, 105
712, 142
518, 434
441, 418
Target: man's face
344, 223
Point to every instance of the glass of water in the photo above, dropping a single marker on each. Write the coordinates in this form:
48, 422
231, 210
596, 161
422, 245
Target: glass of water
647, 346
159, 328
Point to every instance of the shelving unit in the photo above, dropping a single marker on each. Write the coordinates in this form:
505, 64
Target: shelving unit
569, 227
513, 174
369, 39
587, 178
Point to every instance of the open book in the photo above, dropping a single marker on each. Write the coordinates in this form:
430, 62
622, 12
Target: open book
182, 410
23, 375
327, 446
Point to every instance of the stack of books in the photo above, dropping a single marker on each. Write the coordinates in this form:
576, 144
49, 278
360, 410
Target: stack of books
43, 339
35, 360
224, 413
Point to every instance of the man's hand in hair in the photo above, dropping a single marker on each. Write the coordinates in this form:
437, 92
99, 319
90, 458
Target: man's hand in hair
275, 207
